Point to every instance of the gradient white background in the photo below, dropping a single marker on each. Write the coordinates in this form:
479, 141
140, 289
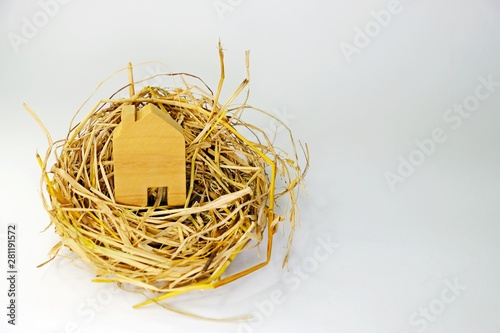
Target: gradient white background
396, 250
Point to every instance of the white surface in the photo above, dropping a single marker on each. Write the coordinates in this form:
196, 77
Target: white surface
396, 252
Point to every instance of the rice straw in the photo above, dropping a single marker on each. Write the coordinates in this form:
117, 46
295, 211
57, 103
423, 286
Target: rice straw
158, 250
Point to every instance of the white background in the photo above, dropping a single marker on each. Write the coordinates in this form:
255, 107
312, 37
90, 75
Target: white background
397, 248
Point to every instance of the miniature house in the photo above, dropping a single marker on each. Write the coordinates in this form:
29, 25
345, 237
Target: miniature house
148, 153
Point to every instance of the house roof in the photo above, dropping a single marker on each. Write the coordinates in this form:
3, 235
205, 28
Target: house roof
151, 109
148, 118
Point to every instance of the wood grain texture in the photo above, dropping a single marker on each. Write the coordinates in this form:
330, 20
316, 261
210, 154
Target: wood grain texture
148, 152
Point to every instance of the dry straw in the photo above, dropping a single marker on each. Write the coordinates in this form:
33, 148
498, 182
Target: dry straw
161, 251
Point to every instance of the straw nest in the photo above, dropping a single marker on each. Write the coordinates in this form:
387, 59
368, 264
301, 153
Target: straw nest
231, 193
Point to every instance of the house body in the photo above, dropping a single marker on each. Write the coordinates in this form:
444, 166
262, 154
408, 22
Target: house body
148, 152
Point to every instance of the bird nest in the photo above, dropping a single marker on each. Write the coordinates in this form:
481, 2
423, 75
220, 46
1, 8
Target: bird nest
231, 184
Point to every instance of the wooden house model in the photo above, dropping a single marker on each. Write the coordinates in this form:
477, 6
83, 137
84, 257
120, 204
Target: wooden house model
148, 153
